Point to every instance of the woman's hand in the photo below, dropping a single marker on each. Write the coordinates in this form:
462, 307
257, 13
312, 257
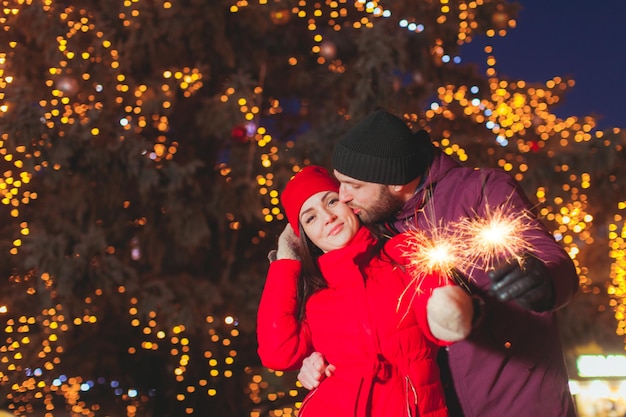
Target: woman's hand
314, 369
450, 311
287, 244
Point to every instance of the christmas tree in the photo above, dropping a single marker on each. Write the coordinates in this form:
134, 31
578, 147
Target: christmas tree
144, 143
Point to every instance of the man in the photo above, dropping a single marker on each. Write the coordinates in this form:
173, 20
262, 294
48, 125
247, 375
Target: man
512, 363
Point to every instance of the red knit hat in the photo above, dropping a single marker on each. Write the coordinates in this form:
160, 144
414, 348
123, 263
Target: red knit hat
310, 180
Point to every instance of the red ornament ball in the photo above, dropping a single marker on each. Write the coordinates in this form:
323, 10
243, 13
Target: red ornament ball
534, 146
239, 134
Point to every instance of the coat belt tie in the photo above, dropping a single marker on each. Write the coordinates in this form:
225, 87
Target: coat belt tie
383, 369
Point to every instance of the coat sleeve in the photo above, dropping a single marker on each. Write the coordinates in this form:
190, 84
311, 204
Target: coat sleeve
283, 341
420, 302
500, 190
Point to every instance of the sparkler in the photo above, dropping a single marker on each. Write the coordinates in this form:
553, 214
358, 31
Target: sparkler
456, 250
433, 253
499, 235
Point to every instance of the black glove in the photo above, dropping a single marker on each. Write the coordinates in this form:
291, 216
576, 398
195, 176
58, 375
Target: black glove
525, 282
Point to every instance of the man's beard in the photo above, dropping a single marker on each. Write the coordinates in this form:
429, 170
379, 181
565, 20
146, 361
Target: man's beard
383, 208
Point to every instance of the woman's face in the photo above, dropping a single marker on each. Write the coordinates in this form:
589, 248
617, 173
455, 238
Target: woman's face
329, 223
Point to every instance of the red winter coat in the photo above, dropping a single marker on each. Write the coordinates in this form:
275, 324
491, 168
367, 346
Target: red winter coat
385, 358
512, 364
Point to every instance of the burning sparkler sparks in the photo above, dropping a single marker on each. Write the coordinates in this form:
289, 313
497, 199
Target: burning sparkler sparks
430, 253
454, 251
457, 249
499, 236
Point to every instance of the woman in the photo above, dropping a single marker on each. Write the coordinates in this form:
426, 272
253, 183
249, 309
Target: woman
342, 295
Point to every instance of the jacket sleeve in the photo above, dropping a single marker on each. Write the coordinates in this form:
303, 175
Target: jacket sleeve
420, 302
501, 190
283, 341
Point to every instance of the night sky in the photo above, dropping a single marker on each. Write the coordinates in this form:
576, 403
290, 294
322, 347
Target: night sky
585, 40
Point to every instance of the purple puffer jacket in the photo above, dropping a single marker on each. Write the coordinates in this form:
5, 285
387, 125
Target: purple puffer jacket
512, 364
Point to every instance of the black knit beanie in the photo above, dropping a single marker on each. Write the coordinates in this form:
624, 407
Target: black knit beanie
382, 149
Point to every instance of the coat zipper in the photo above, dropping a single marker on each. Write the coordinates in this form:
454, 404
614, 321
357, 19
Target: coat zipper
305, 401
410, 389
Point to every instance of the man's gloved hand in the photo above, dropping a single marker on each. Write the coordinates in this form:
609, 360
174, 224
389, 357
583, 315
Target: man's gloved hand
527, 283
